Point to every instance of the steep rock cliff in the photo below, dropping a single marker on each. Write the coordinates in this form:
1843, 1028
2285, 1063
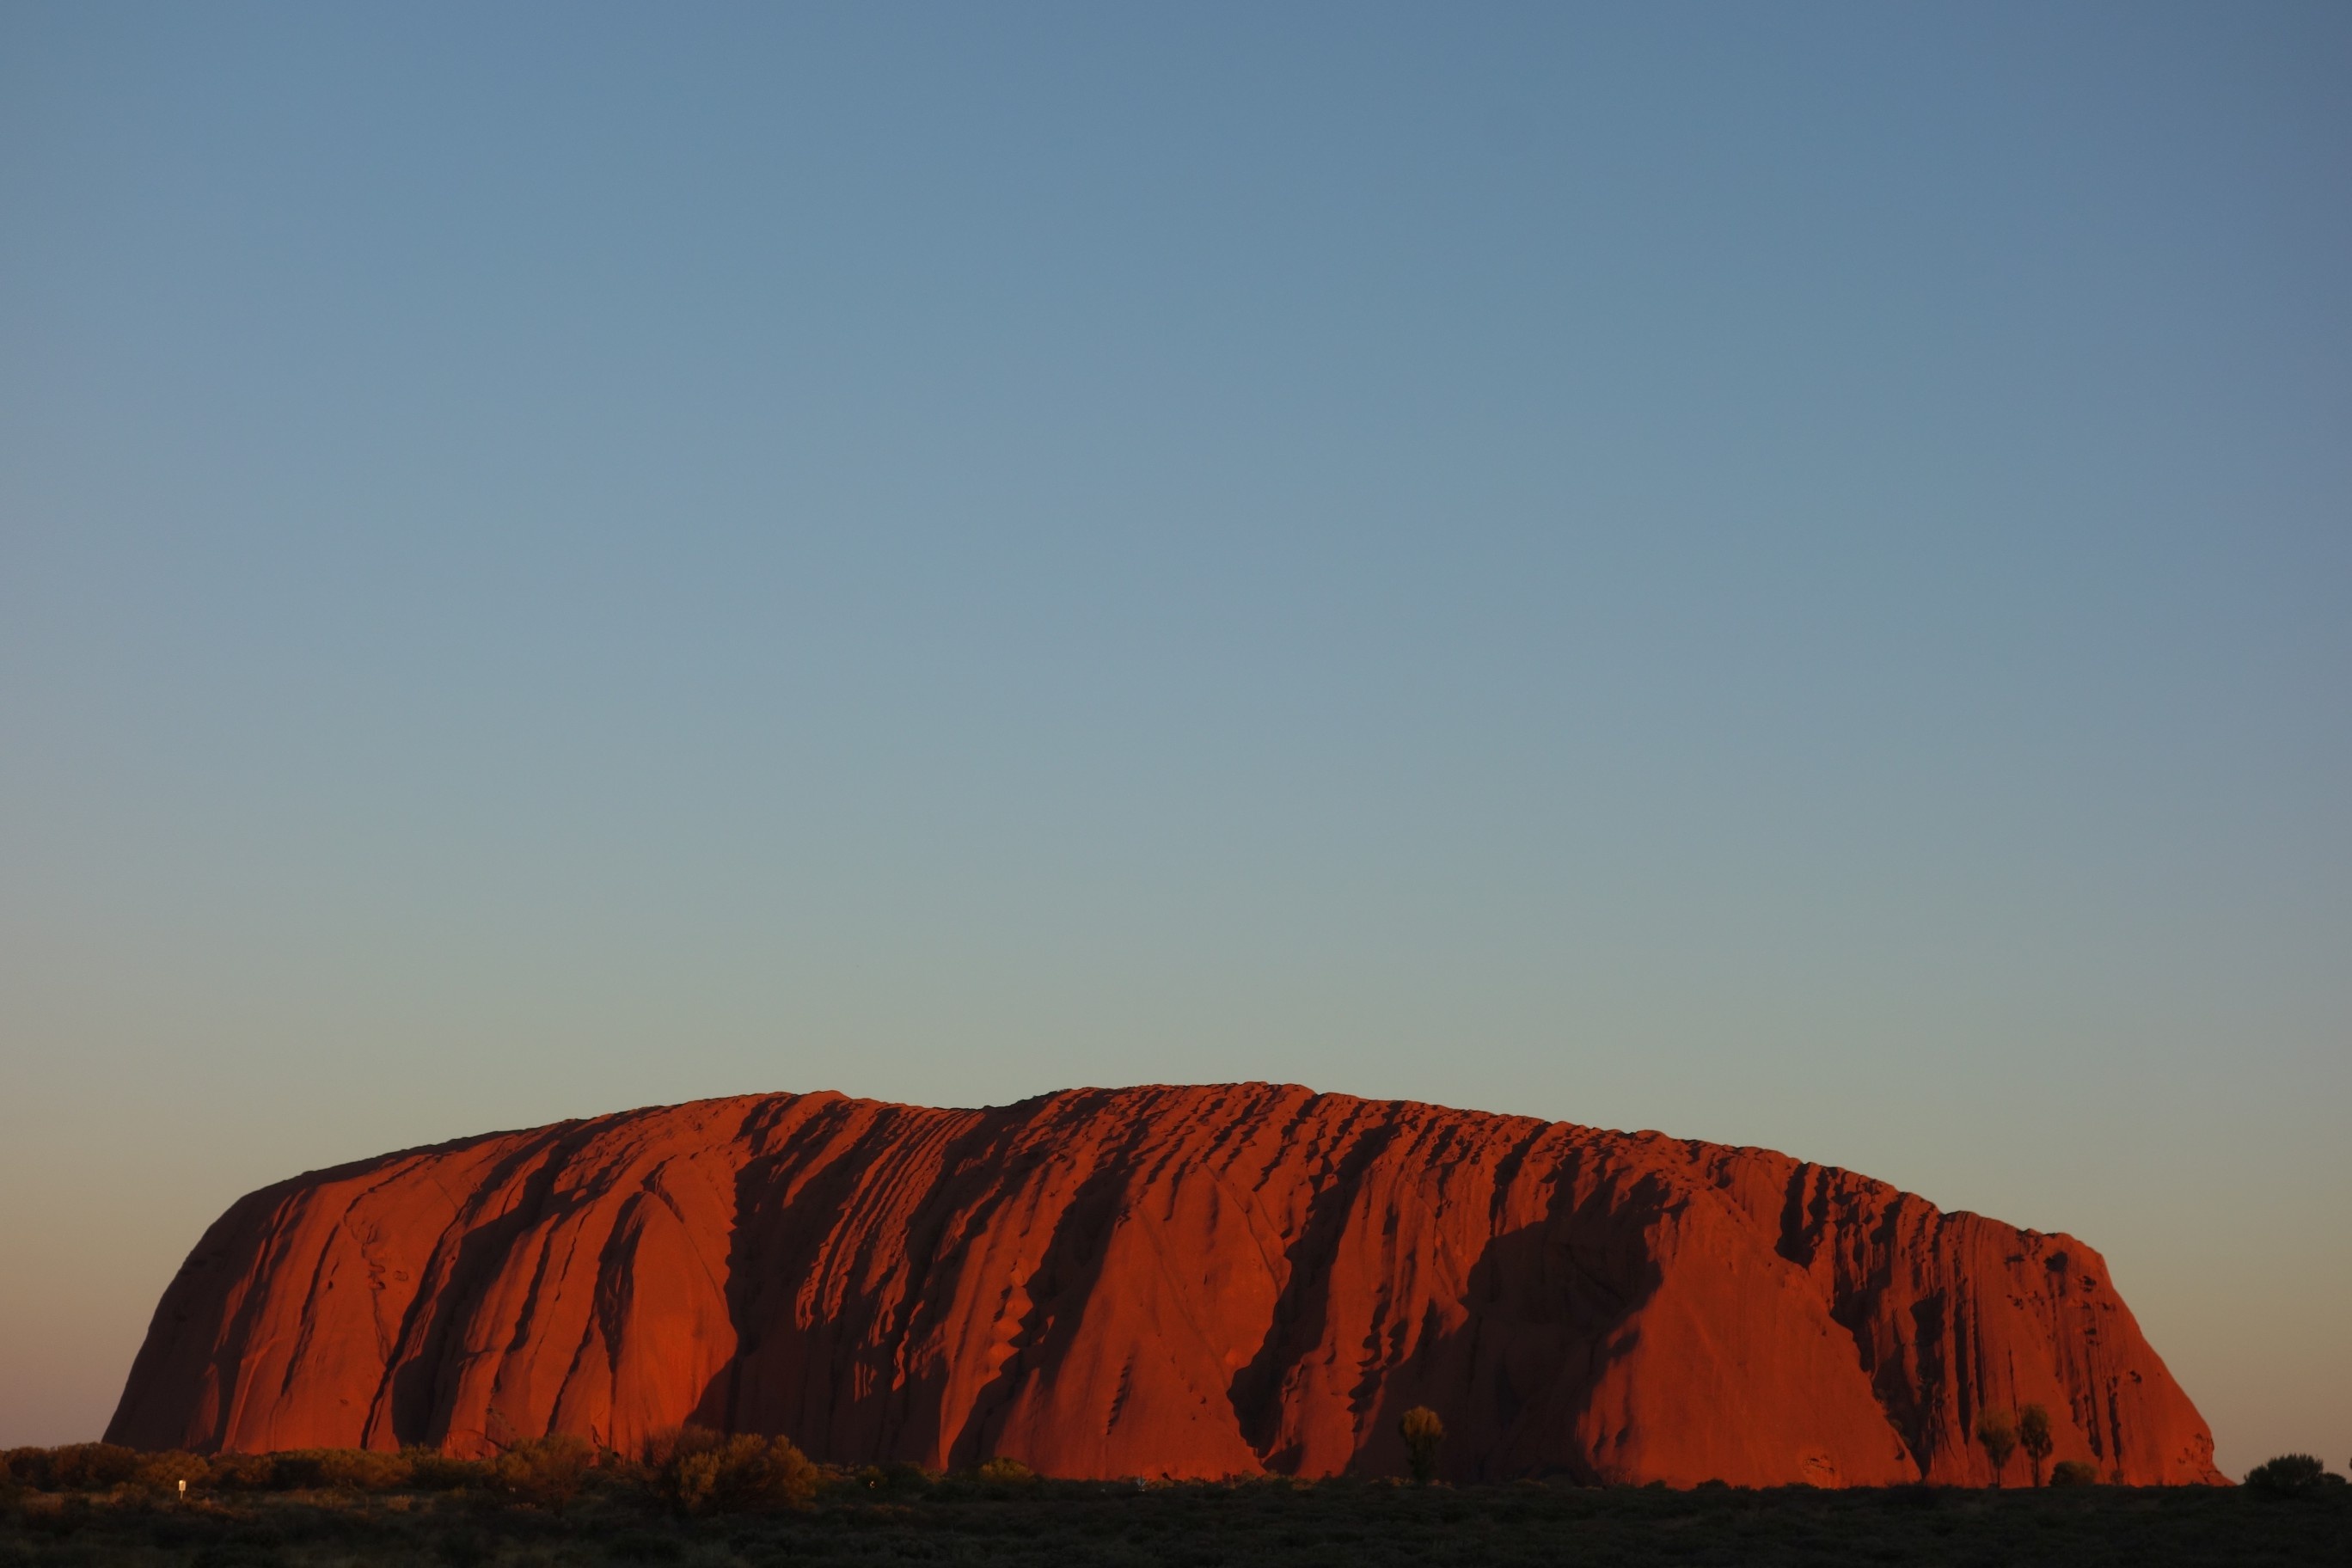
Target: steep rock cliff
1184, 1281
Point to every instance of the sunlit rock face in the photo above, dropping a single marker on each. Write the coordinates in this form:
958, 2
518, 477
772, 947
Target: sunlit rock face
1179, 1282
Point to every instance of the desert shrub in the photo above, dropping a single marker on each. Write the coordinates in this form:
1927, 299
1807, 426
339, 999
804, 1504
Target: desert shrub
430, 1471
162, 1473
58, 1517
680, 1461
1005, 1471
338, 1469
243, 1472
2075, 1473
545, 1471
90, 1466
697, 1470
1422, 1432
691, 1480
1997, 1430
910, 1475
893, 1479
2286, 1475
366, 1470
296, 1470
756, 1472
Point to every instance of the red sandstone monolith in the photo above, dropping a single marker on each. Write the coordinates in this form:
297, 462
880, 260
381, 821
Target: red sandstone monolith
1158, 1281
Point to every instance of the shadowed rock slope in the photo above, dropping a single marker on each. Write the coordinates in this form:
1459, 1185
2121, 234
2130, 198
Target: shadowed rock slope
1187, 1281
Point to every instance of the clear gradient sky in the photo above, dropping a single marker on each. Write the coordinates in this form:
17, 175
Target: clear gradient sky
1778, 573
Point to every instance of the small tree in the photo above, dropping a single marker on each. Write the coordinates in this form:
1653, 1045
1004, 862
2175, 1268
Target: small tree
1422, 1432
2034, 1436
1997, 1430
2287, 1475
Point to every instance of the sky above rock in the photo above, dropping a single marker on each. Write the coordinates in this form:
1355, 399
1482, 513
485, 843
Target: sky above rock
1780, 575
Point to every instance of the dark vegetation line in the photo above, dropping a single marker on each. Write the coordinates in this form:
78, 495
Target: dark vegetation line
697, 1498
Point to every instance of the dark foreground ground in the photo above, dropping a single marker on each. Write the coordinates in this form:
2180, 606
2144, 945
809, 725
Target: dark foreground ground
1342, 1523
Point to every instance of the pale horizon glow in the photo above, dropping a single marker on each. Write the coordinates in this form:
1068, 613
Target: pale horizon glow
1783, 576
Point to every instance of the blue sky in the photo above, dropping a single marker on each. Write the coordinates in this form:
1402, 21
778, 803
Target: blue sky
1780, 574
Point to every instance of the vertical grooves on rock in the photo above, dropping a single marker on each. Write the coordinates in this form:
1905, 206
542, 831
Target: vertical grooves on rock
1189, 1281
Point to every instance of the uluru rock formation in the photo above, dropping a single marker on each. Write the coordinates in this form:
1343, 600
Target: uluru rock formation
1182, 1281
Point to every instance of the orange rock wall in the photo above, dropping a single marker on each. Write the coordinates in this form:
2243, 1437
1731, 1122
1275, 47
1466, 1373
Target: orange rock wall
1182, 1281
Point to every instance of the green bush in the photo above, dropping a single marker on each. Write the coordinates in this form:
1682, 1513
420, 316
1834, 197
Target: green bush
2075, 1473
365, 1470
2287, 1475
338, 1469
164, 1473
243, 1472
296, 1470
431, 1470
547, 1472
89, 1468
680, 1460
697, 1470
1422, 1432
1005, 1471
899, 1479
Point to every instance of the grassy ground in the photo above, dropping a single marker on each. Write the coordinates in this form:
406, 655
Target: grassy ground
1344, 1525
